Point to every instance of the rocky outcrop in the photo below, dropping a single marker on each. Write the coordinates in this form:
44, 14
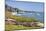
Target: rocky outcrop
29, 24
10, 21
26, 23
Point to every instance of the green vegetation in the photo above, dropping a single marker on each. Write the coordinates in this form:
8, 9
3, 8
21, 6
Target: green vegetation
20, 19
18, 27
23, 19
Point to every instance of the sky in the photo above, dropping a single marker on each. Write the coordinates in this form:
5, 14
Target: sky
28, 6
32, 0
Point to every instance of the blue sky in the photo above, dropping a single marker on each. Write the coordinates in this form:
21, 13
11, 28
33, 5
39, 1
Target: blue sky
29, 6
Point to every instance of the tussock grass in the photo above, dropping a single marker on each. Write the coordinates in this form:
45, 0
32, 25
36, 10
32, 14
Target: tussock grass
18, 27
20, 19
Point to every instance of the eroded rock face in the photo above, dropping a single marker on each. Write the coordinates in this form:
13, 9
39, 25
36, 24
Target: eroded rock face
14, 22
10, 21
29, 24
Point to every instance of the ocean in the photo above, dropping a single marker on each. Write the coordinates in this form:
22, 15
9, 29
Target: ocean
38, 15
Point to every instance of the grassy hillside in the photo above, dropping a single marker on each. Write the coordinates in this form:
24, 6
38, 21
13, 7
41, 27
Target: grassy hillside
20, 19
19, 27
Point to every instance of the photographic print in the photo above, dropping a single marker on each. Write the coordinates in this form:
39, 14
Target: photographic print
23, 15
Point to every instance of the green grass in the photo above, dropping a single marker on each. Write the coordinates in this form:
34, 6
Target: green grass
23, 19
19, 27
20, 19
